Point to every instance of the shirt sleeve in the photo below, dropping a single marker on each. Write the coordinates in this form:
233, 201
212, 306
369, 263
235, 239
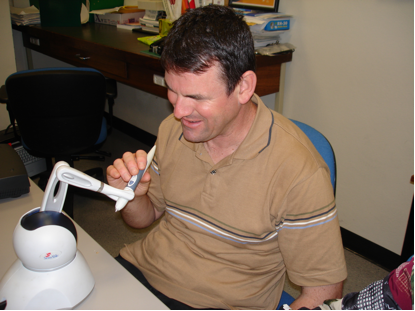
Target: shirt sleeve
310, 239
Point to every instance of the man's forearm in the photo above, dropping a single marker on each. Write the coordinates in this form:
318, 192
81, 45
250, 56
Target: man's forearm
139, 213
314, 296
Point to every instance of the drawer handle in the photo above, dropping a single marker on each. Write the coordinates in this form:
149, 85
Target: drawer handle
82, 57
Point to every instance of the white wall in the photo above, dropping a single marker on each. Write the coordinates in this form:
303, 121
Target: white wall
7, 59
351, 78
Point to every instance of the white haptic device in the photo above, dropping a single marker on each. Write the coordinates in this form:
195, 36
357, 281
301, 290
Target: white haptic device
50, 272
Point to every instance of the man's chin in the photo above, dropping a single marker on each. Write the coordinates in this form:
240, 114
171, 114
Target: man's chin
193, 138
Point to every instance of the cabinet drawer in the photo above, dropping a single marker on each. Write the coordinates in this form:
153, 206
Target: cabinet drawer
90, 59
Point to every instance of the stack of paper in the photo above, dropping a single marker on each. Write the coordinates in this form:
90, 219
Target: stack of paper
266, 28
25, 16
150, 21
129, 26
151, 18
276, 49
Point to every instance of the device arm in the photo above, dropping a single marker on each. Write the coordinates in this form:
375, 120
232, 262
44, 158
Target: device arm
81, 180
67, 175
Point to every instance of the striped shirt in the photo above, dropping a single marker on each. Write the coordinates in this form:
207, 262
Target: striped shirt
231, 230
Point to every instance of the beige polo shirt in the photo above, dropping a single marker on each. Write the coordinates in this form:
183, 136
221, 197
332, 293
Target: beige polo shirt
232, 229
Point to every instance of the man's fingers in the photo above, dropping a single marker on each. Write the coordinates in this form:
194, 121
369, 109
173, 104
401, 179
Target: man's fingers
141, 159
126, 169
128, 165
113, 172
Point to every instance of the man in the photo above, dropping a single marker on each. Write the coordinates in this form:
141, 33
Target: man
243, 195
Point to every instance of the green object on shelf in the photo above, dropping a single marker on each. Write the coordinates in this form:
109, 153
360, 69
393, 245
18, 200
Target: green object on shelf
67, 12
105, 4
60, 13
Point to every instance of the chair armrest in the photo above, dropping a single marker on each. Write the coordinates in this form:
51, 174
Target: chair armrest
4, 99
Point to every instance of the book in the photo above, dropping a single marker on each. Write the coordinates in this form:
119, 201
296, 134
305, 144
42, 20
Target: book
149, 26
139, 27
148, 23
148, 30
153, 15
268, 22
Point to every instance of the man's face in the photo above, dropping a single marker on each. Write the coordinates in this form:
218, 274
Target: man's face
202, 105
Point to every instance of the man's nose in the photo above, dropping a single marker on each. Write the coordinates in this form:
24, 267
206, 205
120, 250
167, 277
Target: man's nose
182, 107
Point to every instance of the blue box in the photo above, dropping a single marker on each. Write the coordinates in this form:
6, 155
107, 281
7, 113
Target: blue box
275, 25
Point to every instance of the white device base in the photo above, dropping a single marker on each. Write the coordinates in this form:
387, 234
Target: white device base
60, 289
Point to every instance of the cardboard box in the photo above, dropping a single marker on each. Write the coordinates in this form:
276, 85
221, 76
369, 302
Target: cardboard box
118, 18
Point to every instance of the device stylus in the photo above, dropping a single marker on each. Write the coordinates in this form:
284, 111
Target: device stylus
135, 180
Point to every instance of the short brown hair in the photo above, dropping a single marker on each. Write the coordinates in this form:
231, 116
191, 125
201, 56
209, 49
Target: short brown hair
206, 36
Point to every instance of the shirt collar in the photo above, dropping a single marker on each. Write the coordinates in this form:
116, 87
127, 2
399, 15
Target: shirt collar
259, 136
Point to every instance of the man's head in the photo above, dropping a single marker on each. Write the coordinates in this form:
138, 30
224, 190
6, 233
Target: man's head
207, 36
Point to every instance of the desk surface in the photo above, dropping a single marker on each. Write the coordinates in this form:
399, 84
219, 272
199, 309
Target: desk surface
118, 55
115, 288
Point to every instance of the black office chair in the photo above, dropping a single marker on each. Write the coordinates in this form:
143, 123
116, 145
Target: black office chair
60, 115
111, 95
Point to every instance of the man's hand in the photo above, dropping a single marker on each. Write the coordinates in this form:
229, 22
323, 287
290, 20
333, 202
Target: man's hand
312, 297
123, 169
138, 213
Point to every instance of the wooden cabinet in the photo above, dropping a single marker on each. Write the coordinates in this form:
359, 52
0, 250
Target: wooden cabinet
119, 55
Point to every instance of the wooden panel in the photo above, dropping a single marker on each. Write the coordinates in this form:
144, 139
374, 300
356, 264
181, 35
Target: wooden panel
268, 72
268, 80
143, 76
87, 58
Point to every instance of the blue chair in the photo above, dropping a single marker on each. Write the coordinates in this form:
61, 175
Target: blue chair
60, 114
323, 147
286, 299
326, 151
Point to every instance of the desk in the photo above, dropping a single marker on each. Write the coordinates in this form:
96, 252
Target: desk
115, 288
118, 55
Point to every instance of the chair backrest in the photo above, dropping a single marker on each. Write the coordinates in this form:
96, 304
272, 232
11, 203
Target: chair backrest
59, 111
323, 146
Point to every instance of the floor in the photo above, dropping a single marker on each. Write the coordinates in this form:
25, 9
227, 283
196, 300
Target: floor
95, 213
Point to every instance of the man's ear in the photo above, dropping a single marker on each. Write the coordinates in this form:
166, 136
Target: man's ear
247, 86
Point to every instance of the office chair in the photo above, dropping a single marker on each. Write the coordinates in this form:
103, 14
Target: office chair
323, 147
60, 115
326, 151
111, 86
